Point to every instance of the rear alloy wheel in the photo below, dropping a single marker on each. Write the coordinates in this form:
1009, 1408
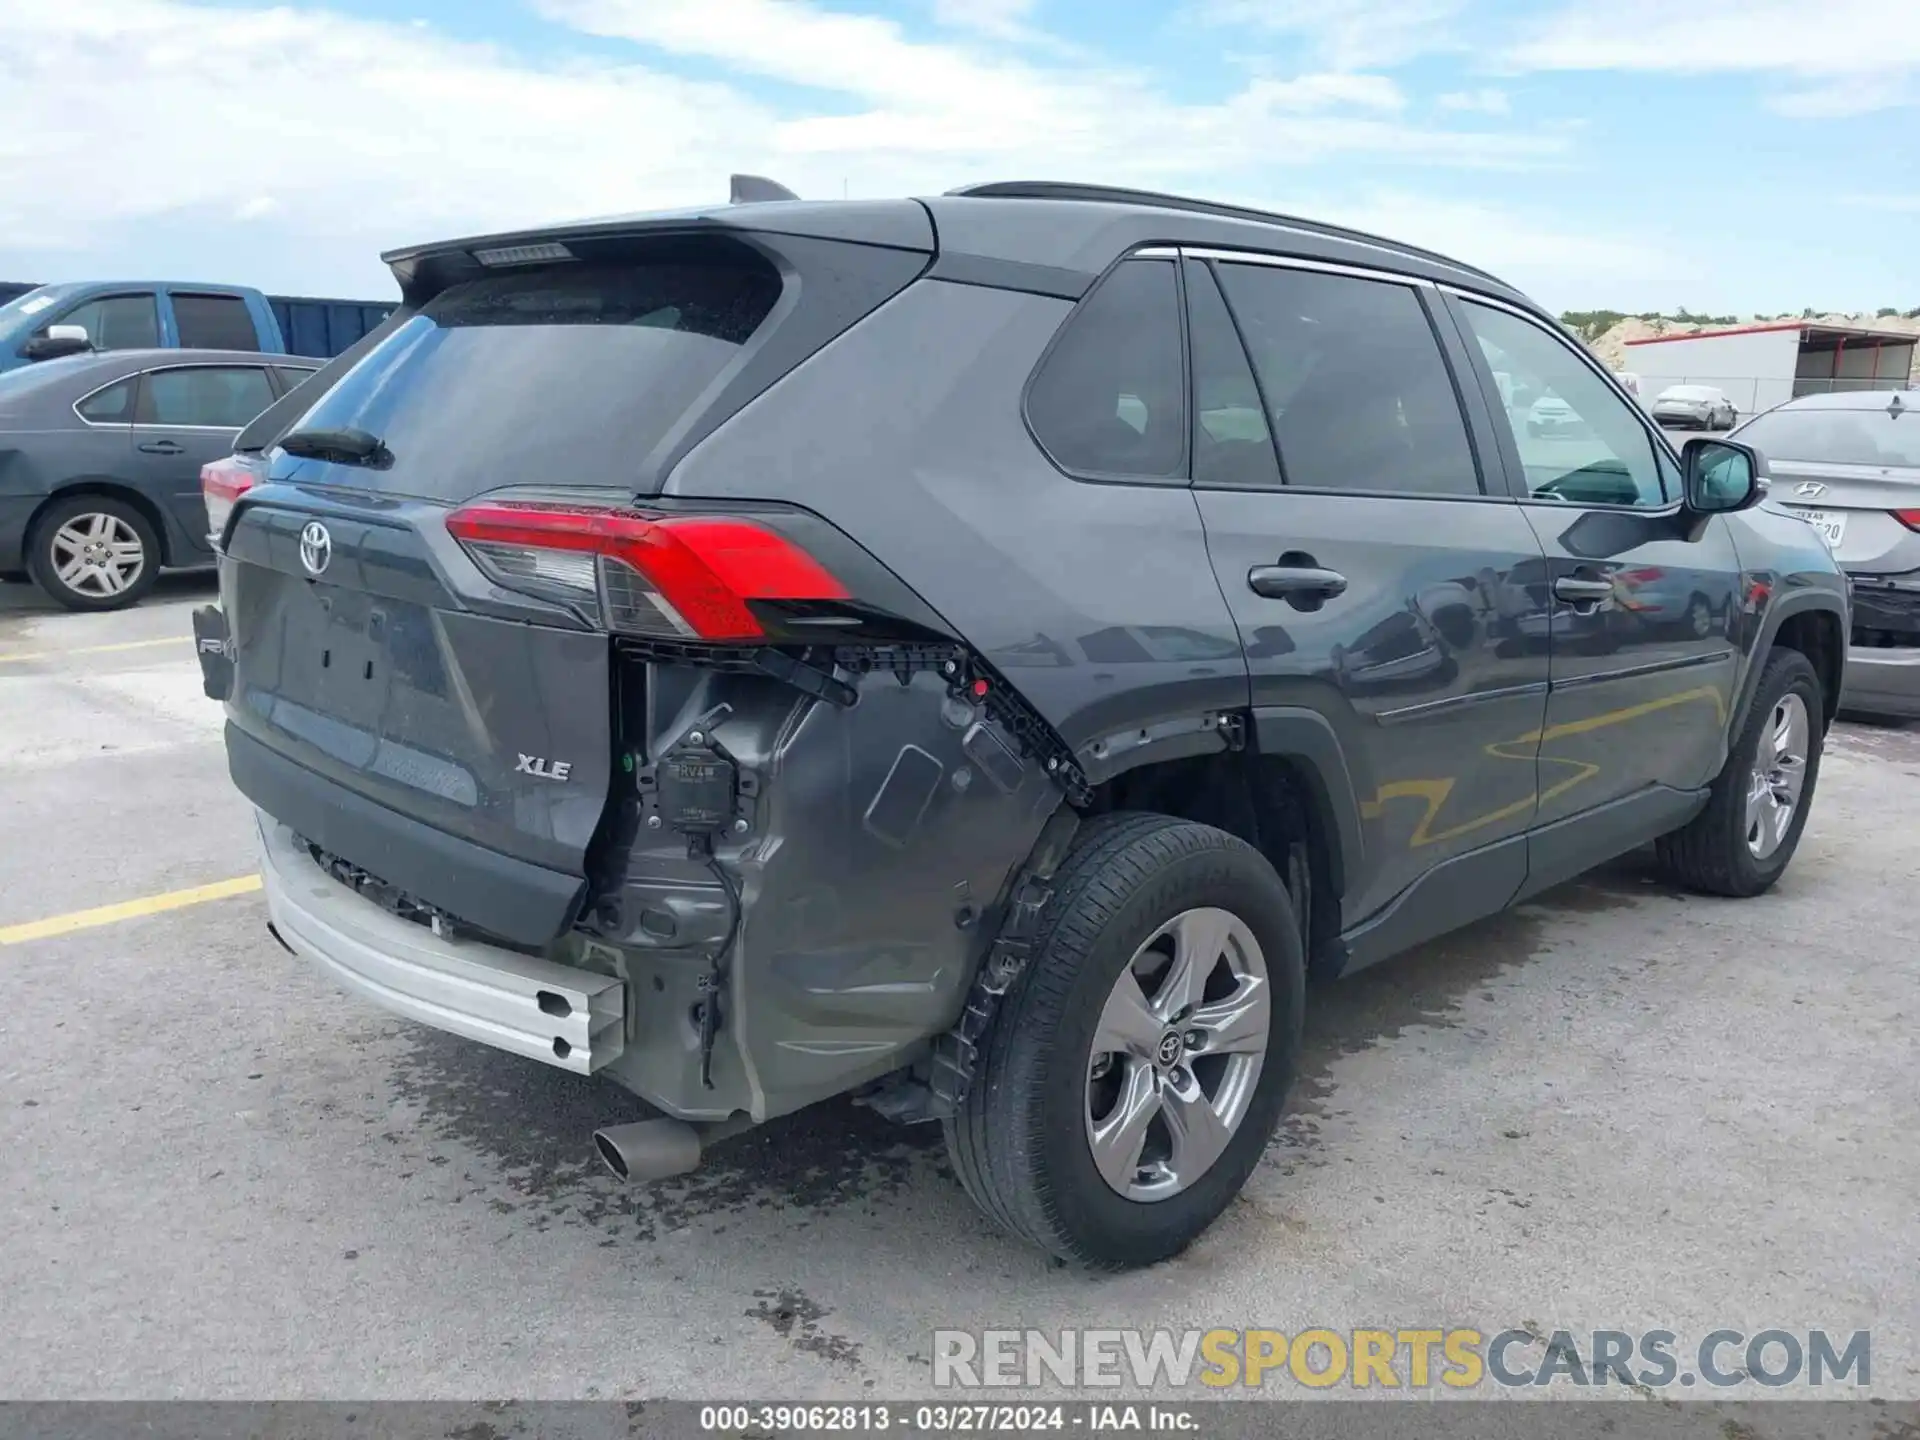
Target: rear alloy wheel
1134, 1072
1741, 843
94, 552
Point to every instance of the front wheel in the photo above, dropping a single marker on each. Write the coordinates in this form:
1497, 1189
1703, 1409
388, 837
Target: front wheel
94, 552
1741, 843
1134, 1073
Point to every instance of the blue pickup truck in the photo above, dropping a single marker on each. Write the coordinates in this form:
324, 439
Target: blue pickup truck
46, 321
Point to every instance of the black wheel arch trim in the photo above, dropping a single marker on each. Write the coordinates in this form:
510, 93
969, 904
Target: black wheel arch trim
1306, 736
1798, 602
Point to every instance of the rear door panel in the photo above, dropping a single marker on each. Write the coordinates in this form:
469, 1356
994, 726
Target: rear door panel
1422, 664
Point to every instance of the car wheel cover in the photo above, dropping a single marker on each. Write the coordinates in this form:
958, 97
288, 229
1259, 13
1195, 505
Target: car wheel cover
1177, 1054
98, 555
1779, 775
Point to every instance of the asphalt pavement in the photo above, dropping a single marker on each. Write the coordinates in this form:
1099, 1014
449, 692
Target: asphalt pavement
222, 1177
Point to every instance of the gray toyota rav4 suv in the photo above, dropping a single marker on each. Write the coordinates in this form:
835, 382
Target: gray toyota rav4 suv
981, 654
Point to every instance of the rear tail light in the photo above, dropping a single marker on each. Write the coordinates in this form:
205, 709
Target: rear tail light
669, 577
221, 484
1908, 518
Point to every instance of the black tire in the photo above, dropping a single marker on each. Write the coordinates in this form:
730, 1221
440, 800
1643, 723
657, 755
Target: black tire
1019, 1143
1699, 620
1710, 853
43, 565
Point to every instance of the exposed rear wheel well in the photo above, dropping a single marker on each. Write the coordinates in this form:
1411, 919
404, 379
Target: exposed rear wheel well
1265, 800
1816, 635
124, 494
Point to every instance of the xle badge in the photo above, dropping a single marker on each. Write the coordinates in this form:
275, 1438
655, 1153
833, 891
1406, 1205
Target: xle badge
545, 769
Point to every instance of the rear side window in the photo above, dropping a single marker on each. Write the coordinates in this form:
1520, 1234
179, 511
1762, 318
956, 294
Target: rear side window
208, 396
214, 322
111, 406
1356, 387
568, 375
1110, 398
117, 322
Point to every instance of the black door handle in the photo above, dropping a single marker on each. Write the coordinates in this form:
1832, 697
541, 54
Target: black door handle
162, 447
1285, 582
1577, 591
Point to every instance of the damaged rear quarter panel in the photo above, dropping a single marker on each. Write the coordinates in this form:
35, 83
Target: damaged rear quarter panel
882, 838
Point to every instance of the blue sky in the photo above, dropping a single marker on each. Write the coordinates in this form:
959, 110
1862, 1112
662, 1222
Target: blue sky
1731, 156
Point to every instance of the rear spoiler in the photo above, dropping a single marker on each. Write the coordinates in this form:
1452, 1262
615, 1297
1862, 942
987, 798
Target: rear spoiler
263, 432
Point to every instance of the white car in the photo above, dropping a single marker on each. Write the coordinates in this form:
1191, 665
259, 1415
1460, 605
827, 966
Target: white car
1701, 406
1551, 415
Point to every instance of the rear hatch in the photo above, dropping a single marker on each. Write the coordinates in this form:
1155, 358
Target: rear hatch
1853, 473
437, 710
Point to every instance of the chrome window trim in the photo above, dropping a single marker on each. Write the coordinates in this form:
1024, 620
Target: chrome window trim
1299, 262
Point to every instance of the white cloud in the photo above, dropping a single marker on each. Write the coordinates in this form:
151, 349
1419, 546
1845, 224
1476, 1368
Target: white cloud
1864, 53
1564, 261
348, 135
1483, 102
1352, 34
1002, 19
1322, 92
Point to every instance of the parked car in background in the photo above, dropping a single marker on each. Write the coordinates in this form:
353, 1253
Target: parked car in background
1550, 415
1849, 465
609, 694
1700, 406
100, 459
48, 321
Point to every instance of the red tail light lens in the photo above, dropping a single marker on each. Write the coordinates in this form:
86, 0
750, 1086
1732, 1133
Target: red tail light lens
1908, 518
673, 577
221, 484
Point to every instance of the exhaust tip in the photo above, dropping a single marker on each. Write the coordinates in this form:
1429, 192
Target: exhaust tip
648, 1149
610, 1155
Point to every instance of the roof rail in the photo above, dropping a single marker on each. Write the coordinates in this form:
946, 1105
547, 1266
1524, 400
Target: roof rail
1119, 195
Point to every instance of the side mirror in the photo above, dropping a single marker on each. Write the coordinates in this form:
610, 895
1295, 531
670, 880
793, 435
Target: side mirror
1723, 476
59, 340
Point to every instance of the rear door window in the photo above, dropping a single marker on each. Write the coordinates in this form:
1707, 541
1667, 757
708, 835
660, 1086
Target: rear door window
1109, 400
117, 322
566, 375
214, 322
1356, 386
222, 397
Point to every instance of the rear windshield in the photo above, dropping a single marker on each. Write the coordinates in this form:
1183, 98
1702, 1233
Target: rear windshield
1838, 437
570, 374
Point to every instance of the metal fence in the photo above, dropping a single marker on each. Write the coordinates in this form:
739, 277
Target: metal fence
1751, 395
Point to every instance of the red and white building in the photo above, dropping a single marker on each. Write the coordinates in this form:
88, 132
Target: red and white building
1760, 366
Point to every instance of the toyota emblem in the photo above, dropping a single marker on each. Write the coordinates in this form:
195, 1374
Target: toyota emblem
316, 547
1807, 489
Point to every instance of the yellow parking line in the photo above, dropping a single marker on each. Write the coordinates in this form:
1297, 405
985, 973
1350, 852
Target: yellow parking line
126, 910
14, 655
